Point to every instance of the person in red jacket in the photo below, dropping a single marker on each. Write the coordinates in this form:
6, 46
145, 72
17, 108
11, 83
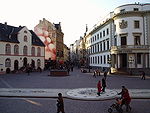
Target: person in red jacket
127, 100
99, 87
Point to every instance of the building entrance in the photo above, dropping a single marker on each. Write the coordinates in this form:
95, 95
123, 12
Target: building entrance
16, 65
123, 60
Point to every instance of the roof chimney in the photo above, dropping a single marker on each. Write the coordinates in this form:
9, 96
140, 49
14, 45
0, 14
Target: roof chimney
5, 25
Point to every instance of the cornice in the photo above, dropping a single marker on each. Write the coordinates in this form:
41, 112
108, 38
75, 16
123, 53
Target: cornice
130, 13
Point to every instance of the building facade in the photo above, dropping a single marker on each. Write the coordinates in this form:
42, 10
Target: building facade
121, 41
20, 48
66, 53
52, 36
131, 42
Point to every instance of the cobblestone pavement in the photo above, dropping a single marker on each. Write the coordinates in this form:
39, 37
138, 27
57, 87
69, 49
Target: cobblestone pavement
75, 80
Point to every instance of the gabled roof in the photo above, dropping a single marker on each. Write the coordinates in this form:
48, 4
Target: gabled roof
9, 33
35, 39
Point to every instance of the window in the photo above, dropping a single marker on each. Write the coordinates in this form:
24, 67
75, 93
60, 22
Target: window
104, 45
33, 51
139, 58
98, 59
101, 46
25, 31
107, 44
135, 9
107, 31
8, 49
38, 51
104, 59
38, 63
136, 24
100, 35
101, 60
95, 48
122, 10
103, 33
16, 49
95, 60
8, 62
25, 50
137, 40
25, 38
98, 47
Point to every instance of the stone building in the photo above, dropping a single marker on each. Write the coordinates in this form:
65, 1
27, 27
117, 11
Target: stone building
52, 37
20, 48
121, 41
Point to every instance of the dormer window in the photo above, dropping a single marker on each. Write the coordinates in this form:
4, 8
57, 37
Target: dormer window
135, 9
25, 31
25, 38
122, 10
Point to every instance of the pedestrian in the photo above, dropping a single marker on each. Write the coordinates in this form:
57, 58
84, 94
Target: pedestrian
72, 68
99, 88
105, 75
68, 69
60, 104
126, 99
143, 75
103, 84
28, 70
94, 73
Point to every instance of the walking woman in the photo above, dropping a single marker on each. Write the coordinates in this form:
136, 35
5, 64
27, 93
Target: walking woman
99, 88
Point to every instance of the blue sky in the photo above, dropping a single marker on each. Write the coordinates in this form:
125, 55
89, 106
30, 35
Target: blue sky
73, 14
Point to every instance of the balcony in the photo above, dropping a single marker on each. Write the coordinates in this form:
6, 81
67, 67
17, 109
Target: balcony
130, 49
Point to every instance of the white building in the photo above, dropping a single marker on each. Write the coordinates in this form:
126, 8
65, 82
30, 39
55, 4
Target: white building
122, 39
19, 48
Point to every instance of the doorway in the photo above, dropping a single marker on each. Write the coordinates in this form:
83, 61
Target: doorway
16, 65
25, 62
123, 60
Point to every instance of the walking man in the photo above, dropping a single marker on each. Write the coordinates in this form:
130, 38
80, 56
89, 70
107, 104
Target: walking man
143, 75
60, 104
103, 84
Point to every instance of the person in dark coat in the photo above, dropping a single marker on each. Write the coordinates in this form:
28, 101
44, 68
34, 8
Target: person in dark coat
60, 104
143, 75
103, 84
105, 75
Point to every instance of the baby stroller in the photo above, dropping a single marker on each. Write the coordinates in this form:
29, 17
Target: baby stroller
116, 106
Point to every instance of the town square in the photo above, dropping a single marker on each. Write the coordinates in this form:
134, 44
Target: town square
73, 56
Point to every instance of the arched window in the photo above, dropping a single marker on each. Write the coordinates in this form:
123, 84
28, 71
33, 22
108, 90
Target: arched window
33, 51
25, 50
25, 38
38, 63
16, 49
8, 62
8, 49
38, 51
